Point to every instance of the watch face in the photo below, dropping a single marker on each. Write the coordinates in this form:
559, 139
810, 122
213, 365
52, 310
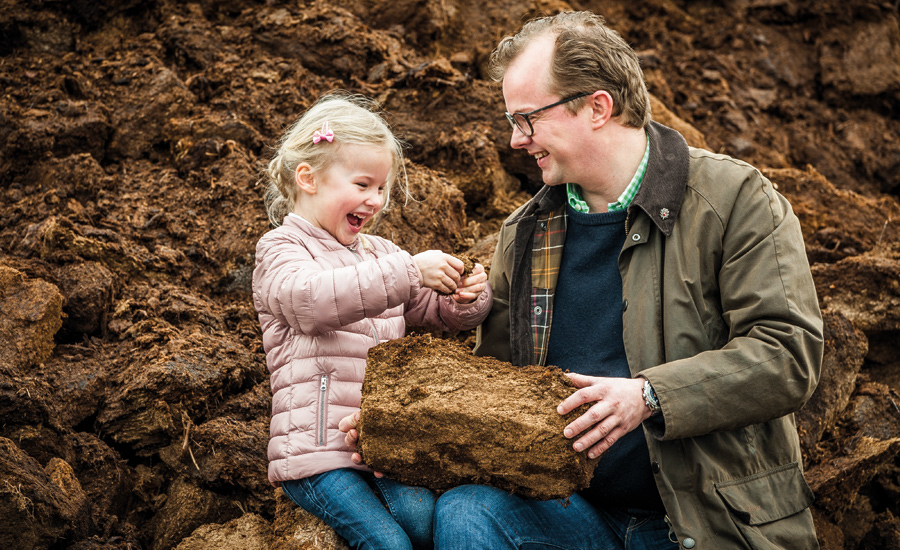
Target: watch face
650, 398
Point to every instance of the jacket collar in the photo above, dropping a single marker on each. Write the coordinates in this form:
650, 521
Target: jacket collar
665, 181
661, 192
547, 199
326, 238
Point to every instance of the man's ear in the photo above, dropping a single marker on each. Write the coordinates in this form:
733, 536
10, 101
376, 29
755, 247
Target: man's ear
601, 104
305, 179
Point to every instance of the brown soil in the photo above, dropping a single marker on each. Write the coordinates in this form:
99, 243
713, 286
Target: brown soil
468, 263
133, 388
434, 415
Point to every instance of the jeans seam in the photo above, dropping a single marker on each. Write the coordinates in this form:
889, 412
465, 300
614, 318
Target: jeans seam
312, 495
634, 523
385, 495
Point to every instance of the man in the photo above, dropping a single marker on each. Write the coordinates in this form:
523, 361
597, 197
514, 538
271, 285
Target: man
673, 283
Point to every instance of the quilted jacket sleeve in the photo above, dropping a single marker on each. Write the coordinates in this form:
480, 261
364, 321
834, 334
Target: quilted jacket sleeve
431, 309
315, 295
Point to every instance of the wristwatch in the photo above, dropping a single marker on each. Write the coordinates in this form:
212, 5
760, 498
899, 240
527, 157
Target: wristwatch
650, 399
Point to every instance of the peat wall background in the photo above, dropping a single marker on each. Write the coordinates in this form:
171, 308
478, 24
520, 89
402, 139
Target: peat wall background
133, 390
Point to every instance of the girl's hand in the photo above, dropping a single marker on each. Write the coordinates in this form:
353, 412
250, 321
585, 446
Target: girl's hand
440, 272
348, 426
472, 286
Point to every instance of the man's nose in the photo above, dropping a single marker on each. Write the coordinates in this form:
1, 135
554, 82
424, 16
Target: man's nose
518, 140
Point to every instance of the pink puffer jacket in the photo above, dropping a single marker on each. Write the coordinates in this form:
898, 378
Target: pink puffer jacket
322, 305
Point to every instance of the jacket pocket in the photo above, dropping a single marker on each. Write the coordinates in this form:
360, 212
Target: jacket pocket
771, 509
322, 412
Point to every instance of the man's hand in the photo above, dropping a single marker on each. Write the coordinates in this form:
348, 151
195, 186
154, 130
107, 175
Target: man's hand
348, 426
472, 286
617, 408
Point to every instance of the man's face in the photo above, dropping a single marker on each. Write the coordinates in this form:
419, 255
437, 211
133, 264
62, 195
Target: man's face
557, 139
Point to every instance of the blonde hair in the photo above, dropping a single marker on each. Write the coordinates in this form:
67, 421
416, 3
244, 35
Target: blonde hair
354, 120
587, 56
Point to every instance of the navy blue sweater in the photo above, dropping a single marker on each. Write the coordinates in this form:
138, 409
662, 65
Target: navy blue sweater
586, 337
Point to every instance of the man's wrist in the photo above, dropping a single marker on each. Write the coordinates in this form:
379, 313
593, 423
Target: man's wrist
650, 399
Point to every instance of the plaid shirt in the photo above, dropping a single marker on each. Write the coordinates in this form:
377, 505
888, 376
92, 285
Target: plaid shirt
549, 238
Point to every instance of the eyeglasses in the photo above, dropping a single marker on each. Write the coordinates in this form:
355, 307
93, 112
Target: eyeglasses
521, 122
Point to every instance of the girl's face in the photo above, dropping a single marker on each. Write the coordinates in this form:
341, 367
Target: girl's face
344, 197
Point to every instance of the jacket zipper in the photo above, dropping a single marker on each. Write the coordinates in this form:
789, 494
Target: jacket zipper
371, 322
323, 396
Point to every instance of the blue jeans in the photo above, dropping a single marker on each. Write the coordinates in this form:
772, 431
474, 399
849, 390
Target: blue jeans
476, 516
368, 512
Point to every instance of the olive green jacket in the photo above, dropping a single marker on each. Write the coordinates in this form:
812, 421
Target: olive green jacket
720, 314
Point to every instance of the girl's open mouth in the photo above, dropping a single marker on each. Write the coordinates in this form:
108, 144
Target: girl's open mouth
355, 221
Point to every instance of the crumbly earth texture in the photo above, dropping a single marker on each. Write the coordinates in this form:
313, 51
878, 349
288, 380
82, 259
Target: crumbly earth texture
468, 263
435, 415
133, 137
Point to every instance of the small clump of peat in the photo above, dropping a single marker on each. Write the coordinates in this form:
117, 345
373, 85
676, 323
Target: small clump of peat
468, 263
437, 416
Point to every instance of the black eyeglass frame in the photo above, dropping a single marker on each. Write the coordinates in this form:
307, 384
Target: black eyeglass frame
511, 117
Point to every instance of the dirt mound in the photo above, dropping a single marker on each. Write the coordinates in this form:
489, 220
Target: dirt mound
133, 387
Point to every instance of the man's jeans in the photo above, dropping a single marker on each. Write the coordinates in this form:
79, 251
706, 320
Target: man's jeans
475, 516
370, 513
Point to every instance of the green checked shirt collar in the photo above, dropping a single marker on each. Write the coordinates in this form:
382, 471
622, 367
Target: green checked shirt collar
624, 201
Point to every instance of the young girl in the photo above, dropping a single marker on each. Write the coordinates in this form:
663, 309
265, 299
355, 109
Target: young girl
325, 293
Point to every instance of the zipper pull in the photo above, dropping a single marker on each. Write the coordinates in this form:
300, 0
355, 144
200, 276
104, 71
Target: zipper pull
324, 385
672, 536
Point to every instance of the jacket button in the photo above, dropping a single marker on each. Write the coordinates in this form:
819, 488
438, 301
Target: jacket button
636, 237
624, 305
688, 542
654, 467
538, 310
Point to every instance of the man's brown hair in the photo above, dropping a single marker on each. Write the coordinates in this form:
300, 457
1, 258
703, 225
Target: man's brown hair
588, 56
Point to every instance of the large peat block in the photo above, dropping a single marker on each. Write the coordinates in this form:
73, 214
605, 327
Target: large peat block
435, 415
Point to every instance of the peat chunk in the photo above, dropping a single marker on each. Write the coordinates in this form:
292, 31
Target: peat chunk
434, 415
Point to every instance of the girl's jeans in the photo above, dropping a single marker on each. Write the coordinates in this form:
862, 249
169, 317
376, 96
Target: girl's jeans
370, 513
475, 516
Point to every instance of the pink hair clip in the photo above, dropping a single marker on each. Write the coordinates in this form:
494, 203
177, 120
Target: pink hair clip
325, 134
